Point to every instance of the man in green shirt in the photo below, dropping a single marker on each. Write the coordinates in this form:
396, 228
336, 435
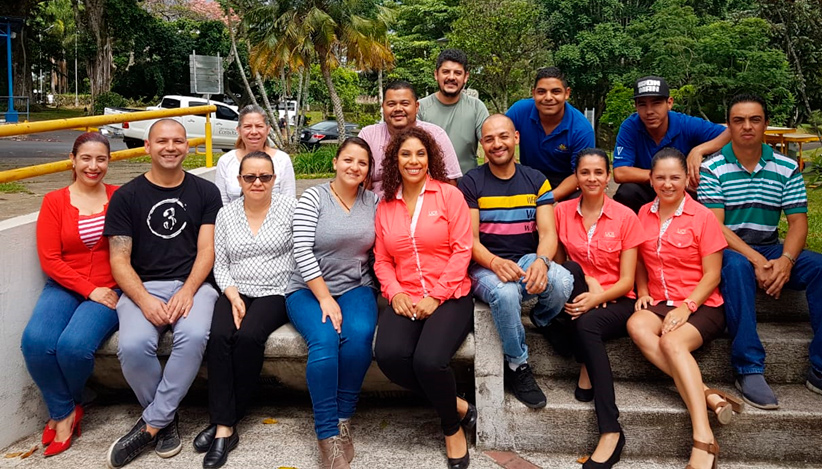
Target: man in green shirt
459, 114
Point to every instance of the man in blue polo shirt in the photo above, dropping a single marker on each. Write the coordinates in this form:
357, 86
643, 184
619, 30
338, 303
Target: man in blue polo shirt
552, 132
651, 128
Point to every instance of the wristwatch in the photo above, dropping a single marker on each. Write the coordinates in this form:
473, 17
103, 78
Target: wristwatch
545, 259
691, 304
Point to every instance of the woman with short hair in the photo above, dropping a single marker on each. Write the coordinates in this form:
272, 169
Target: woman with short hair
253, 127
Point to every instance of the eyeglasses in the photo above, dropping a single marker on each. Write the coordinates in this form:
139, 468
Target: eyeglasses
250, 178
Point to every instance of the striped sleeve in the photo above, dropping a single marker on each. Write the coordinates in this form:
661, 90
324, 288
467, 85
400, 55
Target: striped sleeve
795, 198
709, 192
545, 196
304, 226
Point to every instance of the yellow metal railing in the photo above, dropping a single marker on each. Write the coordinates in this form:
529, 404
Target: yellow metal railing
65, 165
96, 121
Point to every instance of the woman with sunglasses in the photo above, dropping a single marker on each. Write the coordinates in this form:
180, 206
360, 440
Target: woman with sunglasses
332, 297
253, 128
252, 265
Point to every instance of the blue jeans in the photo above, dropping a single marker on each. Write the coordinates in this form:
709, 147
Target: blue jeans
739, 290
337, 363
59, 342
505, 299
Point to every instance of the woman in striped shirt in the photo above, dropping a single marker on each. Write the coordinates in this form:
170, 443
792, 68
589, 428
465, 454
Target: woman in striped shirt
332, 296
75, 312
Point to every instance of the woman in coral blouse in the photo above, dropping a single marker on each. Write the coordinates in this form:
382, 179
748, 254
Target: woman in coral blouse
422, 252
679, 307
600, 239
75, 312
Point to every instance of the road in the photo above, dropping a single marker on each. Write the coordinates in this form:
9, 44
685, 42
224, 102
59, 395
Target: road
42, 147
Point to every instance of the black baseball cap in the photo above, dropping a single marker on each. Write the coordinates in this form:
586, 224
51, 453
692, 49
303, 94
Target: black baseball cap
651, 86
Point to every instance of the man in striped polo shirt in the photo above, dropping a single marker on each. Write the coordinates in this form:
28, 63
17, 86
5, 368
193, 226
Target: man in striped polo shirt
747, 185
515, 238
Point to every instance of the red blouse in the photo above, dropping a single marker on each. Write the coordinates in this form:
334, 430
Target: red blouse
63, 255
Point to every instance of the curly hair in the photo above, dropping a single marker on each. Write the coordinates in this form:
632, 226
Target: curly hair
391, 178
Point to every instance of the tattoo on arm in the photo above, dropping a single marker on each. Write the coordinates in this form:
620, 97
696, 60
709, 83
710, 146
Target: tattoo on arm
120, 245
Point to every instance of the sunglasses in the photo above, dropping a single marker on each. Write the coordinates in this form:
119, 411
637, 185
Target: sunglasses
250, 178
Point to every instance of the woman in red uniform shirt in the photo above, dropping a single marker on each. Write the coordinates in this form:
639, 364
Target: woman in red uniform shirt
600, 239
75, 312
679, 307
422, 252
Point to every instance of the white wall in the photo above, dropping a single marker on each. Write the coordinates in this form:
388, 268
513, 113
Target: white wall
21, 407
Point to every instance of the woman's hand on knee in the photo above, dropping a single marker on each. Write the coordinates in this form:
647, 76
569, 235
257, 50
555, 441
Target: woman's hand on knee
105, 296
426, 307
402, 305
331, 310
675, 319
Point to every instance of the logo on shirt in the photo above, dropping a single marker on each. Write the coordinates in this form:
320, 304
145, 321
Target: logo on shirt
610, 234
164, 218
619, 150
433, 213
682, 231
562, 147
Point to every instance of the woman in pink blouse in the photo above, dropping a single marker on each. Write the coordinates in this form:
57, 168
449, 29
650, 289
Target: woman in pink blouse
679, 307
422, 252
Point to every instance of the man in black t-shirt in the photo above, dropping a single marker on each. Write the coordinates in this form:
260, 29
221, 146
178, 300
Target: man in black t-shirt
161, 233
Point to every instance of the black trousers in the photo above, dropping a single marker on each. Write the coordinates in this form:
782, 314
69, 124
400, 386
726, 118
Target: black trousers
417, 354
235, 356
591, 330
634, 196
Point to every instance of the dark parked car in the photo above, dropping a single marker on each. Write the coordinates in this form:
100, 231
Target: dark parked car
325, 130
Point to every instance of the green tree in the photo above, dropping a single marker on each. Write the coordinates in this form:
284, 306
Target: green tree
294, 32
503, 44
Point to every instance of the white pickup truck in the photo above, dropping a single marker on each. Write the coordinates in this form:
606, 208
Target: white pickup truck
223, 122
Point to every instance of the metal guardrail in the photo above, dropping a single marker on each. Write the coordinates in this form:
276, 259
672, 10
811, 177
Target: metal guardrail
9, 130
17, 108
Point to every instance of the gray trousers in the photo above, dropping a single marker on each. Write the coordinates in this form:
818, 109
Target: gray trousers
160, 391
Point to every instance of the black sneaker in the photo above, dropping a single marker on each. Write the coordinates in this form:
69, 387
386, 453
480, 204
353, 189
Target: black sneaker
168, 440
129, 446
524, 387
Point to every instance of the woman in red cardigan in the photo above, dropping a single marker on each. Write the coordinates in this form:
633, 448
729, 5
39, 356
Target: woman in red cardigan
75, 312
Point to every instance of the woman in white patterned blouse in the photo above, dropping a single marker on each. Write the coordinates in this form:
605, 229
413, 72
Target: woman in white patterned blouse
253, 262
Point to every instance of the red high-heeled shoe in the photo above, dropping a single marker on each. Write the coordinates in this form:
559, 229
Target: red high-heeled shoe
48, 435
57, 447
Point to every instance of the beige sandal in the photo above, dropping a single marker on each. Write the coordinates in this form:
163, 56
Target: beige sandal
725, 408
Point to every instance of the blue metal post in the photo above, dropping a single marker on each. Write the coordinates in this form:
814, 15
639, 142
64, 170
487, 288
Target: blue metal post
11, 115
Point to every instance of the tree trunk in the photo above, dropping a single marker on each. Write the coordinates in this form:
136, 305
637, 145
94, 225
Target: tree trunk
295, 137
332, 93
100, 64
240, 65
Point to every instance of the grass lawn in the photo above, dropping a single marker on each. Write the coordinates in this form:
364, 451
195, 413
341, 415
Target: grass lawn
56, 114
13, 188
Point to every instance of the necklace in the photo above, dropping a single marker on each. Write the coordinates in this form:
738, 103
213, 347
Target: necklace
331, 185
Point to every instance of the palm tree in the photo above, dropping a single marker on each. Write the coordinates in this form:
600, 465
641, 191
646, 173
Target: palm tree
293, 33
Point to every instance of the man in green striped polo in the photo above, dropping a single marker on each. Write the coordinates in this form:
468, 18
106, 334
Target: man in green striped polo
747, 185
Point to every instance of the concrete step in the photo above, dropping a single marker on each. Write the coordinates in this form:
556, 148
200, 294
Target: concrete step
569, 461
656, 424
786, 362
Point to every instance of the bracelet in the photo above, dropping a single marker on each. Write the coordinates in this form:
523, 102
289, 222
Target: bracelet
790, 258
491, 264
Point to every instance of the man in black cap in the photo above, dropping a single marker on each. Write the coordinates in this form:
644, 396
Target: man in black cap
651, 128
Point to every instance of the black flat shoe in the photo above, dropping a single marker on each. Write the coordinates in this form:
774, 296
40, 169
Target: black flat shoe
203, 439
584, 395
459, 463
217, 455
591, 464
470, 420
